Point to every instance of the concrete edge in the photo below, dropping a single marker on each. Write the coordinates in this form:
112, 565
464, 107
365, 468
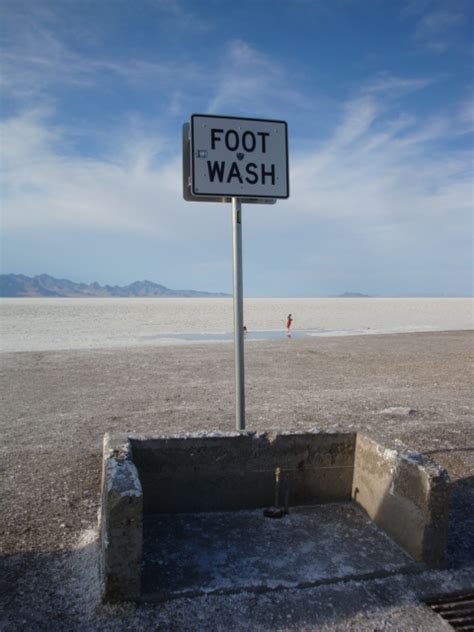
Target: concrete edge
120, 438
406, 494
121, 522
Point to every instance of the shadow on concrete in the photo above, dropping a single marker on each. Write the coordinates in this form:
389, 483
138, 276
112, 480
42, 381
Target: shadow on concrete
460, 546
460, 549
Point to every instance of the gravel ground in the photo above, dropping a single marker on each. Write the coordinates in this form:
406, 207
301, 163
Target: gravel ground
56, 407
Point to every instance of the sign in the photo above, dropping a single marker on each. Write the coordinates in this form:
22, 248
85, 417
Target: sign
188, 196
235, 160
238, 157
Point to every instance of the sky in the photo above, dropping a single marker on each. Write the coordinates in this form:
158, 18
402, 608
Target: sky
378, 96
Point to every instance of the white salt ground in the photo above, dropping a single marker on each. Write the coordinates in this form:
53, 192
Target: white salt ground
53, 324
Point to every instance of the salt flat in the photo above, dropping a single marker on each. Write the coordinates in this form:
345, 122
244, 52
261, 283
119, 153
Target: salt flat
53, 324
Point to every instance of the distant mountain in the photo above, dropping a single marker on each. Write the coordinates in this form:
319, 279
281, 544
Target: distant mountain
352, 295
17, 285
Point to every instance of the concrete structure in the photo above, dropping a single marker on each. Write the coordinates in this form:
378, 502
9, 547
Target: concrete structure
405, 494
402, 492
121, 522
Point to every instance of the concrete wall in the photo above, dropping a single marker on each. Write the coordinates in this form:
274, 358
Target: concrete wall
405, 494
121, 522
238, 472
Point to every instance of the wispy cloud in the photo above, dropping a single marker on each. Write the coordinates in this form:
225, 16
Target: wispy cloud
135, 189
45, 185
49, 64
38, 60
358, 117
435, 29
248, 80
436, 22
379, 169
181, 17
465, 117
388, 85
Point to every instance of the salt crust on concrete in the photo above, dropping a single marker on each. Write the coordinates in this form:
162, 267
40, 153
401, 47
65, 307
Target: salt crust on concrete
192, 554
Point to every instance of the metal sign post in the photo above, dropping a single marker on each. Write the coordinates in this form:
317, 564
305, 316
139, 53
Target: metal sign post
238, 314
229, 159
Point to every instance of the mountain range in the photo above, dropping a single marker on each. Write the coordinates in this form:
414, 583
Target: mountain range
18, 285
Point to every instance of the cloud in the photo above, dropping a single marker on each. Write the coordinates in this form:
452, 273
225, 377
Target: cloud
436, 22
381, 167
50, 65
358, 117
45, 185
133, 192
377, 166
465, 117
41, 59
389, 85
182, 18
248, 80
435, 29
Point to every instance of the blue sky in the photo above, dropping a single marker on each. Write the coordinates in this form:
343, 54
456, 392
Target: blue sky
378, 95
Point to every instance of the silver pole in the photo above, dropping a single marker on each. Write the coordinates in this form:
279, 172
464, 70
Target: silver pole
238, 314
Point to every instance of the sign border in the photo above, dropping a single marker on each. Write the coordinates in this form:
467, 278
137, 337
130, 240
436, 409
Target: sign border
238, 195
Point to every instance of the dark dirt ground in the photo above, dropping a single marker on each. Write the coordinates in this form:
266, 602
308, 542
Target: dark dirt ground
57, 405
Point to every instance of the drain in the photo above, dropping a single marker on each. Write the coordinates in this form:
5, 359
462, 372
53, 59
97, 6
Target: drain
457, 609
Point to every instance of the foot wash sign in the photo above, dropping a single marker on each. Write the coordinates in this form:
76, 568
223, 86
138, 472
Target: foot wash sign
227, 159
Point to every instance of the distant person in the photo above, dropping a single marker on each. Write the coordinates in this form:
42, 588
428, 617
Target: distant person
289, 320
245, 330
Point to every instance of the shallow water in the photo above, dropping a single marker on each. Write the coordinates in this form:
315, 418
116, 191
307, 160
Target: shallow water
48, 324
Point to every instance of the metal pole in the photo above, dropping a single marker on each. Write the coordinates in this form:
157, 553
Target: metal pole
238, 314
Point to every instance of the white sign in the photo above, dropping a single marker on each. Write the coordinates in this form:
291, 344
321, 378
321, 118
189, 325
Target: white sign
188, 196
238, 157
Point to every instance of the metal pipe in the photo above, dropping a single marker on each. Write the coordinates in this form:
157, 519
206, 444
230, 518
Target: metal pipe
238, 314
277, 488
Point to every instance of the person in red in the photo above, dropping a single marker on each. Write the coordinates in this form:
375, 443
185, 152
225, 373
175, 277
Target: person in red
288, 322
